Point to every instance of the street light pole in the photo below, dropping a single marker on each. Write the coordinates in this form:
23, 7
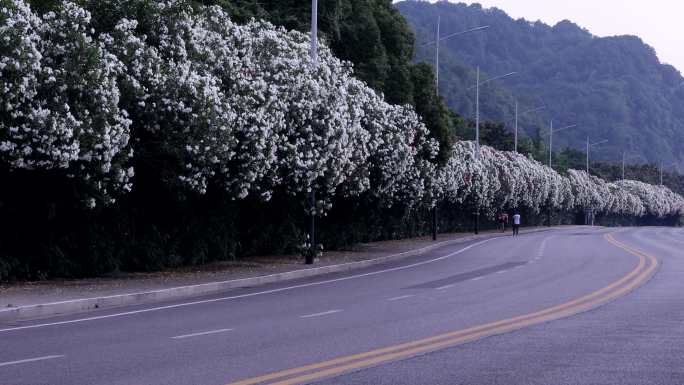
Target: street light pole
587, 155
589, 145
515, 138
662, 168
661, 172
516, 119
551, 131
625, 158
437, 56
550, 143
434, 208
314, 61
438, 39
477, 115
477, 127
477, 105
314, 31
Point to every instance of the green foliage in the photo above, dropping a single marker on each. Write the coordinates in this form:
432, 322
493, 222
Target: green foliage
432, 109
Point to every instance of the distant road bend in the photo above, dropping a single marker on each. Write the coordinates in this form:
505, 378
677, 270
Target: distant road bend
571, 306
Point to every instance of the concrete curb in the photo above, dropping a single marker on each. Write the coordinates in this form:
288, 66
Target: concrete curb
181, 292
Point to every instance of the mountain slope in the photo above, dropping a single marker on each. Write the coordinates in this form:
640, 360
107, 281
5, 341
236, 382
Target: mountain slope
614, 88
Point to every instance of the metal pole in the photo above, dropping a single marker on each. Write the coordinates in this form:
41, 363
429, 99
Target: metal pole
661, 172
434, 209
477, 141
434, 223
312, 229
477, 115
437, 57
314, 31
314, 59
550, 143
623, 165
515, 146
587, 155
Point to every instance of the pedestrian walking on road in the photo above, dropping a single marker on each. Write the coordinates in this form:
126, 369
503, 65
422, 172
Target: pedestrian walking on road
502, 222
516, 223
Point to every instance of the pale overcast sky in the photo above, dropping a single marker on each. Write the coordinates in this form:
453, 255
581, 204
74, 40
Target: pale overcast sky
659, 23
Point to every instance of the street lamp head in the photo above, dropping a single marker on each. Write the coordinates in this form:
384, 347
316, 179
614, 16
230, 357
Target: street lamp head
598, 143
560, 129
526, 112
492, 79
449, 36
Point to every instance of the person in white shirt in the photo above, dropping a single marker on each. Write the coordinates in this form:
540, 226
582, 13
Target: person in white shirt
516, 223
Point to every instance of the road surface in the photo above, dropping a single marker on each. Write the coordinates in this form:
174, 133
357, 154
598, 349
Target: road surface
571, 306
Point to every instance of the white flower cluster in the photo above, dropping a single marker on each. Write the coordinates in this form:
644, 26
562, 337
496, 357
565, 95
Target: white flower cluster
658, 201
246, 108
59, 100
501, 179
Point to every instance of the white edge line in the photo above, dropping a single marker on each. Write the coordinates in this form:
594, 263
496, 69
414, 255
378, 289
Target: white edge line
401, 297
445, 287
320, 314
387, 257
30, 360
185, 304
201, 333
476, 278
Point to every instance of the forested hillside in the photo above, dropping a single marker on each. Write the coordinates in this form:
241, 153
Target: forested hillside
613, 88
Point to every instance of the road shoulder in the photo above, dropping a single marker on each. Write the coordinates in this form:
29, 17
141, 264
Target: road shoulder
70, 297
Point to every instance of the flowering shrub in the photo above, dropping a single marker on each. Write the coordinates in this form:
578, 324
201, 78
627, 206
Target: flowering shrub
501, 179
60, 101
250, 109
244, 107
658, 201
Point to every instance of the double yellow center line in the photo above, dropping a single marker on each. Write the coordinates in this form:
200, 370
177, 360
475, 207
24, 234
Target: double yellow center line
644, 269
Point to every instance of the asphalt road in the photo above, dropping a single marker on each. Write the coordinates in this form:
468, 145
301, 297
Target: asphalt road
571, 306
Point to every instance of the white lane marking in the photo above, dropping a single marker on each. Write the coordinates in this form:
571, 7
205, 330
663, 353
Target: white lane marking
445, 287
542, 247
185, 304
477, 279
502, 271
201, 333
320, 314
30, 360
401, 297
519, 266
